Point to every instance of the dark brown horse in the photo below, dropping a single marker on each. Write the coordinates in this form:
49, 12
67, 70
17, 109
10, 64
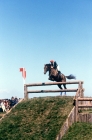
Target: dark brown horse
57, 76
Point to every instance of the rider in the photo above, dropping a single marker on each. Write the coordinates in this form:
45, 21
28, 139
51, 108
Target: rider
54, 64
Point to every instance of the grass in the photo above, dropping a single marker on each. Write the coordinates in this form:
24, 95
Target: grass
79, 131
1, 114
36, 119
87, 110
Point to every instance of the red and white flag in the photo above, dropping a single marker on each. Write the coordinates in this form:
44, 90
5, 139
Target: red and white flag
23, 72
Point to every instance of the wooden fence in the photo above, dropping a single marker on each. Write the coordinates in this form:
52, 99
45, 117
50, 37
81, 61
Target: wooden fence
75, 116
69, 121
82, 103
79, 90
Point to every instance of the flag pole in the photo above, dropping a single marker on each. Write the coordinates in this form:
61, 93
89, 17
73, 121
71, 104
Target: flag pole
23, 81
23, 75
23, 78
23, 84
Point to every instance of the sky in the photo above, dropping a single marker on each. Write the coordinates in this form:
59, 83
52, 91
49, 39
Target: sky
33, 32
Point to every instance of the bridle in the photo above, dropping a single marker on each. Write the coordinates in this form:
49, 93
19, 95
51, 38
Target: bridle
47, 67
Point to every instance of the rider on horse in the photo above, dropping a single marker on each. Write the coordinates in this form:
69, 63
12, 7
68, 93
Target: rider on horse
55, 66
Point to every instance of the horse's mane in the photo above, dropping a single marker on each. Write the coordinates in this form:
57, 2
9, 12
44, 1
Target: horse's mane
48, 64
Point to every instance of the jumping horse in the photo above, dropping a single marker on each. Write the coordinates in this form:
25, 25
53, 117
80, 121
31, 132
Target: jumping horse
57, 76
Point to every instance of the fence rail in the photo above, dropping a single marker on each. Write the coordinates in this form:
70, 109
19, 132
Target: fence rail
84, 99
52, 83
84, 106
46, 91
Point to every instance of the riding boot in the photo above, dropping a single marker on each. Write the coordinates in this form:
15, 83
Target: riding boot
59, 72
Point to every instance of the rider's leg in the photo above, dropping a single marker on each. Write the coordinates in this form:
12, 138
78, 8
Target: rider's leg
59, 72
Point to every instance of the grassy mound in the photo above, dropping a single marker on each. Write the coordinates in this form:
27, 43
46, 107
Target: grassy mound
36, 119
79, 131
1, 114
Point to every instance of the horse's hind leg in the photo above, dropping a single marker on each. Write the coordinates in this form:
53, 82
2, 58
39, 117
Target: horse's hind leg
65, 88
60, 88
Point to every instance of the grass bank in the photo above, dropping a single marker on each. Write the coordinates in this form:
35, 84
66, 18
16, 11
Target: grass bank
79, 131
36, 119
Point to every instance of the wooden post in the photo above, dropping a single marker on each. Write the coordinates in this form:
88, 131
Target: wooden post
76, 110
77, 94
81, 90
25, 92
81, 95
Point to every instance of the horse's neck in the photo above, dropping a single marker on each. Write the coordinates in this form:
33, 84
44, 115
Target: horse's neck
54, 72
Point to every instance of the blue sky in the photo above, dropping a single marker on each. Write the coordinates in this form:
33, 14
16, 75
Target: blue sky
33, 32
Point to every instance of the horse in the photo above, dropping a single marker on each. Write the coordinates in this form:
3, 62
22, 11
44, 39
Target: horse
57, 76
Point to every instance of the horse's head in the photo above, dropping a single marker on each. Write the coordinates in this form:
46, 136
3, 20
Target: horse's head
47, 67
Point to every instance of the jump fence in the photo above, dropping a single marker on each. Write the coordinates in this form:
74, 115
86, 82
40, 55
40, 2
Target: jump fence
79, 90
79, 101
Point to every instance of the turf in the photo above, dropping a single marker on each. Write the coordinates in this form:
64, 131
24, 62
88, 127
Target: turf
36, 119
79, 131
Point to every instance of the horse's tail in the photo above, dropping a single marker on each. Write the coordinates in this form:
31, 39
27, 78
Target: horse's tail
71, 76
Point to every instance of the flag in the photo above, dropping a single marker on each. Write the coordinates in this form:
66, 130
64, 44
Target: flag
23, 72
21, 69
